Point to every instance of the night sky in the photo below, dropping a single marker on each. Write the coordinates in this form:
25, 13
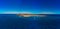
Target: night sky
34, 6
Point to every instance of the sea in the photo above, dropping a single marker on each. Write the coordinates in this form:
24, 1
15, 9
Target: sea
13, 21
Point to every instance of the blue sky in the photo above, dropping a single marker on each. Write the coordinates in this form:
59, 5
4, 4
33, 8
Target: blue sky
34, 6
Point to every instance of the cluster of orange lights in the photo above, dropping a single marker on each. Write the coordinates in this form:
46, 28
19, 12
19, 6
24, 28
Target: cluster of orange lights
28, 15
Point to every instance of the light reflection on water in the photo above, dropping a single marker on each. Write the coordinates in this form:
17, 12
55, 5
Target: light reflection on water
41, 22
49, 22
33, 22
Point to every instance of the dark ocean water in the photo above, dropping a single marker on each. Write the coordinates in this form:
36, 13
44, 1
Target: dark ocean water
12, 21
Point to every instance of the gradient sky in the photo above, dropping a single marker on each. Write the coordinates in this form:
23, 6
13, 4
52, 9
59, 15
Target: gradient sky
34, 6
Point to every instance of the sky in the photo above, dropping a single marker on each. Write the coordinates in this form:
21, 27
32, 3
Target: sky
33, 6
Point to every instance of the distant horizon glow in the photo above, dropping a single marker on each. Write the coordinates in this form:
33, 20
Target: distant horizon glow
27, 13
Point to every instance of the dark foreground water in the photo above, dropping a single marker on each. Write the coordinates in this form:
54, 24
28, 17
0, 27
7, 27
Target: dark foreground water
12, 21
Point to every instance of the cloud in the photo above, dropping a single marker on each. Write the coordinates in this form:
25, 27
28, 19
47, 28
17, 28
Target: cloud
15, 13
10, 12
47, 13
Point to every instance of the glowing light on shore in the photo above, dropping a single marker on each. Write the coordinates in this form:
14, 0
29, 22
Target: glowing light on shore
25, 14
